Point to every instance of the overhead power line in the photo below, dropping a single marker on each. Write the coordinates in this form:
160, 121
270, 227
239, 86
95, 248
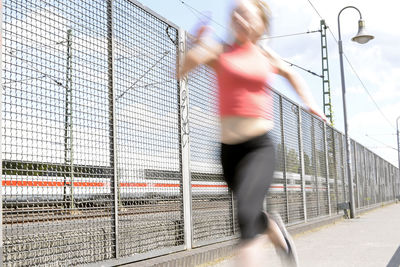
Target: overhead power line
198, 14
309, 71
289, 35
354, 71
376, 140
315, 9
383, 134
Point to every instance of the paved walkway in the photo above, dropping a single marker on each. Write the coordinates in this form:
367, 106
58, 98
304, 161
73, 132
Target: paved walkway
370, 240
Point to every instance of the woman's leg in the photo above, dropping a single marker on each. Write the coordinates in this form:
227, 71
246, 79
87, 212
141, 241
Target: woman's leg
275, 235
248, 170
253, 176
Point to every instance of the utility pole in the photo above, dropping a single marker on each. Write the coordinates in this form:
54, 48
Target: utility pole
325, 74
68, 131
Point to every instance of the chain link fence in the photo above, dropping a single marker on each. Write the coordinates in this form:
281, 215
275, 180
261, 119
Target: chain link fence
107, 158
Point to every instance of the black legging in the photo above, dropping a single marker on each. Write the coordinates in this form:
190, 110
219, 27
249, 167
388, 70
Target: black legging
248, 170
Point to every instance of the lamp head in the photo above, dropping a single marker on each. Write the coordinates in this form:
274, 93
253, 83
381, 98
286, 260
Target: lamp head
362, 37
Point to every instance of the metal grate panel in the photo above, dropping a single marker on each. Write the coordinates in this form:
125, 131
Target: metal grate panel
57, 169
312, 201
339, 167
147, 112
277, 198
345, 177
293, 166
361, 175
332, 167
213, 214
354, 173
320, 167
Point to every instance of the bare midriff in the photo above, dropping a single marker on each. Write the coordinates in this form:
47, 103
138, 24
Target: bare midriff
235, 129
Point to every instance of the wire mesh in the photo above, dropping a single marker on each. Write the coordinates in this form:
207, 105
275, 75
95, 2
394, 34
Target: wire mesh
91, 117
311, 186
276, 198
374, 178
57, 170
361, 176
379, 177
333, 173
370, 168
393, 182
376, 163
212, 206
387, 182
321, 167
290, 115
345, 169
147, 111
354, 173
396, 182
339, 167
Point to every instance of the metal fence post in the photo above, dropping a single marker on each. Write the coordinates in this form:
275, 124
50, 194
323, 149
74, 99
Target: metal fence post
303, 173
185, 146
112, 123
327, 171
1, 131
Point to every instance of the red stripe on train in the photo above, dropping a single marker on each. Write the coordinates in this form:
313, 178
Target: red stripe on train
49, 183
99, 184
92, 184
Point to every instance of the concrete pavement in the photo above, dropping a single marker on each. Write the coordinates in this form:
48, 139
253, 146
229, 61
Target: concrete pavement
370, 240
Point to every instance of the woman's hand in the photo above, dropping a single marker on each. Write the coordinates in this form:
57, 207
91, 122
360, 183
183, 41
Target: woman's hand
316, 111
205, 51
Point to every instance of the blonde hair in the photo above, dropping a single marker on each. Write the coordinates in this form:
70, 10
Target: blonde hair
265, 13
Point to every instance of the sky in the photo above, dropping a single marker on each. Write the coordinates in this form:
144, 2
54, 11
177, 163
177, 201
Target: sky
376, 63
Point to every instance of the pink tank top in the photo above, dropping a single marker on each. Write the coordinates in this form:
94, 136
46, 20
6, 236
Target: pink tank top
242, 88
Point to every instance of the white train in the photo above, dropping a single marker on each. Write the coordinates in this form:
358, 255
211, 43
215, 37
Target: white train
149, 184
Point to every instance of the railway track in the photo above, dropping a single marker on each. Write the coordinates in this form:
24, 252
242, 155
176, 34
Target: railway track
53, 213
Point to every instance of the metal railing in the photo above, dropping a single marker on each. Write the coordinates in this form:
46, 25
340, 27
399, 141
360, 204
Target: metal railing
106, 157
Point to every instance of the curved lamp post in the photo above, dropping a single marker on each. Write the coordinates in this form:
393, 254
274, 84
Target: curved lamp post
362, 37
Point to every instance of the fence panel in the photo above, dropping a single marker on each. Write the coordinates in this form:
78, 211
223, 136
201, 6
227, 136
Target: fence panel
397, 179
277, 197
293, 167
148, 114
361, 175
309, 165
212, 203
345, 176
321, 167
57, 162
354, 173
333, 170
339, 167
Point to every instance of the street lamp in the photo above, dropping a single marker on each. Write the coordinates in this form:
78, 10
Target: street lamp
361, 38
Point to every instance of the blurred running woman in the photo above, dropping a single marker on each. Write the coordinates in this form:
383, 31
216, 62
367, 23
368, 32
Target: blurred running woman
245, 110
